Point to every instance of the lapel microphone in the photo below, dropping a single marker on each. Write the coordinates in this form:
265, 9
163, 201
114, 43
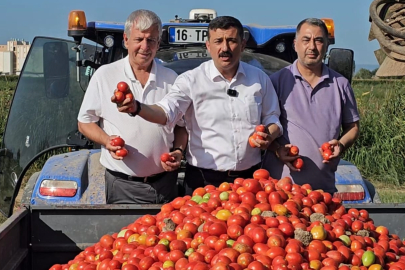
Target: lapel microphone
232, 93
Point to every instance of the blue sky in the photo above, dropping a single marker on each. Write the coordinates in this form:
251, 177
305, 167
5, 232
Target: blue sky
25, 19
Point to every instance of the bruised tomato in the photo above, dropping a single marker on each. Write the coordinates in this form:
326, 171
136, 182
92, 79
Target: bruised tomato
122, 87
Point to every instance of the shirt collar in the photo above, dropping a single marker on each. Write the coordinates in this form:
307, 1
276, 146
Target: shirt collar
214, 72
296, 73
130, 74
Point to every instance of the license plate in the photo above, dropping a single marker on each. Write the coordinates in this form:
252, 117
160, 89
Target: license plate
181, 35
192, 55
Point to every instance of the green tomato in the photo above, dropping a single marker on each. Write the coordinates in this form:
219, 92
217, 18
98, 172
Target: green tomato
368, 258
196, 198
188, 252
164, 241
224, 196
230, 242
207, 196
346, 240
256, 211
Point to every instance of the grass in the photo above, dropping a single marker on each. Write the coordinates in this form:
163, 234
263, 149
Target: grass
379, 152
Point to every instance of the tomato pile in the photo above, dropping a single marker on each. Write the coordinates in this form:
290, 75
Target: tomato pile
259, 223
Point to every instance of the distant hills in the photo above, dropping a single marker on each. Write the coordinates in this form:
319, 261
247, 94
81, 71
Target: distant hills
369, 67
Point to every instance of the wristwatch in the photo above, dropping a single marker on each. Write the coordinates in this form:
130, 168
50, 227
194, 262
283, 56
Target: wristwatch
138, 109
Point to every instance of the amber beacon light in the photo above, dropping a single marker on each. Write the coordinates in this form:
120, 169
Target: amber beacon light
77, 25
330, 25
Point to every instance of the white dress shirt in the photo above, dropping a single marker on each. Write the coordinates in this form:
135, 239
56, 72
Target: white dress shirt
144, 141
219, 125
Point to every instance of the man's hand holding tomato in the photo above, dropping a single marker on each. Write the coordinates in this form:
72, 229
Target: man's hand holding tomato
334, 146
113, 148
283, 154
260, 138
172, 165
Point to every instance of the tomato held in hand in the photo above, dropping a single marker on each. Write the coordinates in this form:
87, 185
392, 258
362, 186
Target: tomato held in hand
326, 146
257, 136
119, 97
117, 141
293, 151
327, 154
166, 157
122, 87
129, 96
252, 142
298, 163
260, 128
121, 152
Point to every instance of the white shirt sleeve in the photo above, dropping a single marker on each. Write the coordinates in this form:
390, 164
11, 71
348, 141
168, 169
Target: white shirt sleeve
90, 110
176, 102
270, 105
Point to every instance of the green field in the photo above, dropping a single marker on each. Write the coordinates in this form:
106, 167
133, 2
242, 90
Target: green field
379, 152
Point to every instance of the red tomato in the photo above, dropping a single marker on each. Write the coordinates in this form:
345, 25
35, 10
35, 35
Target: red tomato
252, 142
326, 154
293, 151
326, 146
298, 163
107, 241
261, 174
117, 141
122, 87
129, 96
260, 128
56, 267
121, 152
257, 137
166, 157
119, 97
129, 267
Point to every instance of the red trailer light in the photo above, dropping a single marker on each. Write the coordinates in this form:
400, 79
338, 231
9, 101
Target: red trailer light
58, 188
350, 192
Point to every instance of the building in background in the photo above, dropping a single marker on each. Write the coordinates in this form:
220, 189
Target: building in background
12, 56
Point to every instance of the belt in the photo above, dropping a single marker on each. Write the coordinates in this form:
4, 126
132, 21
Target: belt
230, 173
146, 179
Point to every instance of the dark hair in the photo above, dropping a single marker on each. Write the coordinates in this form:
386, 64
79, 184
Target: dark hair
315, 22
225, 22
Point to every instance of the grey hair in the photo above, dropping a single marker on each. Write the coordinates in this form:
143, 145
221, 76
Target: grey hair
315, 22
143, 19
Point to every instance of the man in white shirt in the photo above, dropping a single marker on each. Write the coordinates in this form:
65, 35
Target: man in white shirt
139, 177
222, 101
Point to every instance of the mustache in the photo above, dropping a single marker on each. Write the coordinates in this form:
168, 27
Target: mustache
312, 52
225, 54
